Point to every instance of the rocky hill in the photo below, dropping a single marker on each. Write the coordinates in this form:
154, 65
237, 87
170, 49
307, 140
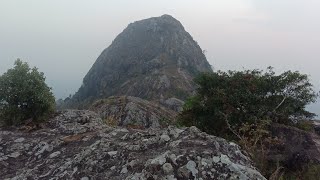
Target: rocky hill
78, 145
154, 59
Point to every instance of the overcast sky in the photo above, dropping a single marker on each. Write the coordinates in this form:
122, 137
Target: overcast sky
64, 38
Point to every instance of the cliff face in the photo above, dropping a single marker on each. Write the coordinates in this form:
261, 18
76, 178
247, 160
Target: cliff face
78, 145
154, 59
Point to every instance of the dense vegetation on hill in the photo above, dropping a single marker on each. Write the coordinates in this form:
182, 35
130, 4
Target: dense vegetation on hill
230, 99
242, 105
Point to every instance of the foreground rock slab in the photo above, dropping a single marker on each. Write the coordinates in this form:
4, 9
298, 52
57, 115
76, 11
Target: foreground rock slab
78, 145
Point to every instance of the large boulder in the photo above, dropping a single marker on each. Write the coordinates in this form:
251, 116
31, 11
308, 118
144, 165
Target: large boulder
78, 145
295, 148
173, 103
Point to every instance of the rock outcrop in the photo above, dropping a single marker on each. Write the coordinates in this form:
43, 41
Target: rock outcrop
316, 125
78, 145
295, 148
154, 59
134, 112
173, 103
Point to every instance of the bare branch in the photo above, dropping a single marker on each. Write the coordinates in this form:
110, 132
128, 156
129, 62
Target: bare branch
280, 103
229, 126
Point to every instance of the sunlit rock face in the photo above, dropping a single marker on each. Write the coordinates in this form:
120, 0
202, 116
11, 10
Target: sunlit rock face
154, 59
79, 145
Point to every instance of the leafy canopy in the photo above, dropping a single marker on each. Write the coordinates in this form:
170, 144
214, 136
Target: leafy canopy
24, 95
226, 100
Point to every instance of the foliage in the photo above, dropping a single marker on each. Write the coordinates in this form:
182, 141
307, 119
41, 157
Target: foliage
312, 172
111, 121
257, 141
253, 135
226, 100
305, 125
241, 105
24, 95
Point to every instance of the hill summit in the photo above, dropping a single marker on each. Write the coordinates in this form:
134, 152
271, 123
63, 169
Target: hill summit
154, 59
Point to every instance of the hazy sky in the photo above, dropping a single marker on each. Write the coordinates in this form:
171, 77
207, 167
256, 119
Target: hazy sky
63, 38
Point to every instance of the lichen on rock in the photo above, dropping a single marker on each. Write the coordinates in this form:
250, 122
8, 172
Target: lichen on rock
79, 145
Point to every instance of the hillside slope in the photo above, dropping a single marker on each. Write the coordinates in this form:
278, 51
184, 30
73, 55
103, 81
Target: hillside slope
154, 59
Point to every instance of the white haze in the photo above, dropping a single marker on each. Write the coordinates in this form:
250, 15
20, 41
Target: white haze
64, 38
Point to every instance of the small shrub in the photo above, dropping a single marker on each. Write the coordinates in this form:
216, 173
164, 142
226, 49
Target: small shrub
111, 121
312, 172
305, 125
164, 122
24, 95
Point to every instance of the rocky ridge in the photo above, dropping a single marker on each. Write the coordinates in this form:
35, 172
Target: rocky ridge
78, 145
135, 112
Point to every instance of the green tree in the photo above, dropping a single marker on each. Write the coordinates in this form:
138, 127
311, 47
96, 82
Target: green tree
227, 100
24, 95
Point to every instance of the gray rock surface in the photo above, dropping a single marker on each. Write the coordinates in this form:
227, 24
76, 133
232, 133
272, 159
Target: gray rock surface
78, 145
152, 59
133, 112
173, 103
296, 148
316, 125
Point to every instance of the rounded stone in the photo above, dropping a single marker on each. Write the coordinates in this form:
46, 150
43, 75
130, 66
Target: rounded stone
19, 140
124, 170
55, 154
164, 138
167, 168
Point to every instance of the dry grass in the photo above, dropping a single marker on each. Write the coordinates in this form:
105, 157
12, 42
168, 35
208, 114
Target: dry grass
111, 121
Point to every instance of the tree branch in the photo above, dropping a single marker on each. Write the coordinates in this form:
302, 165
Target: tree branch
229, 126
285, 97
